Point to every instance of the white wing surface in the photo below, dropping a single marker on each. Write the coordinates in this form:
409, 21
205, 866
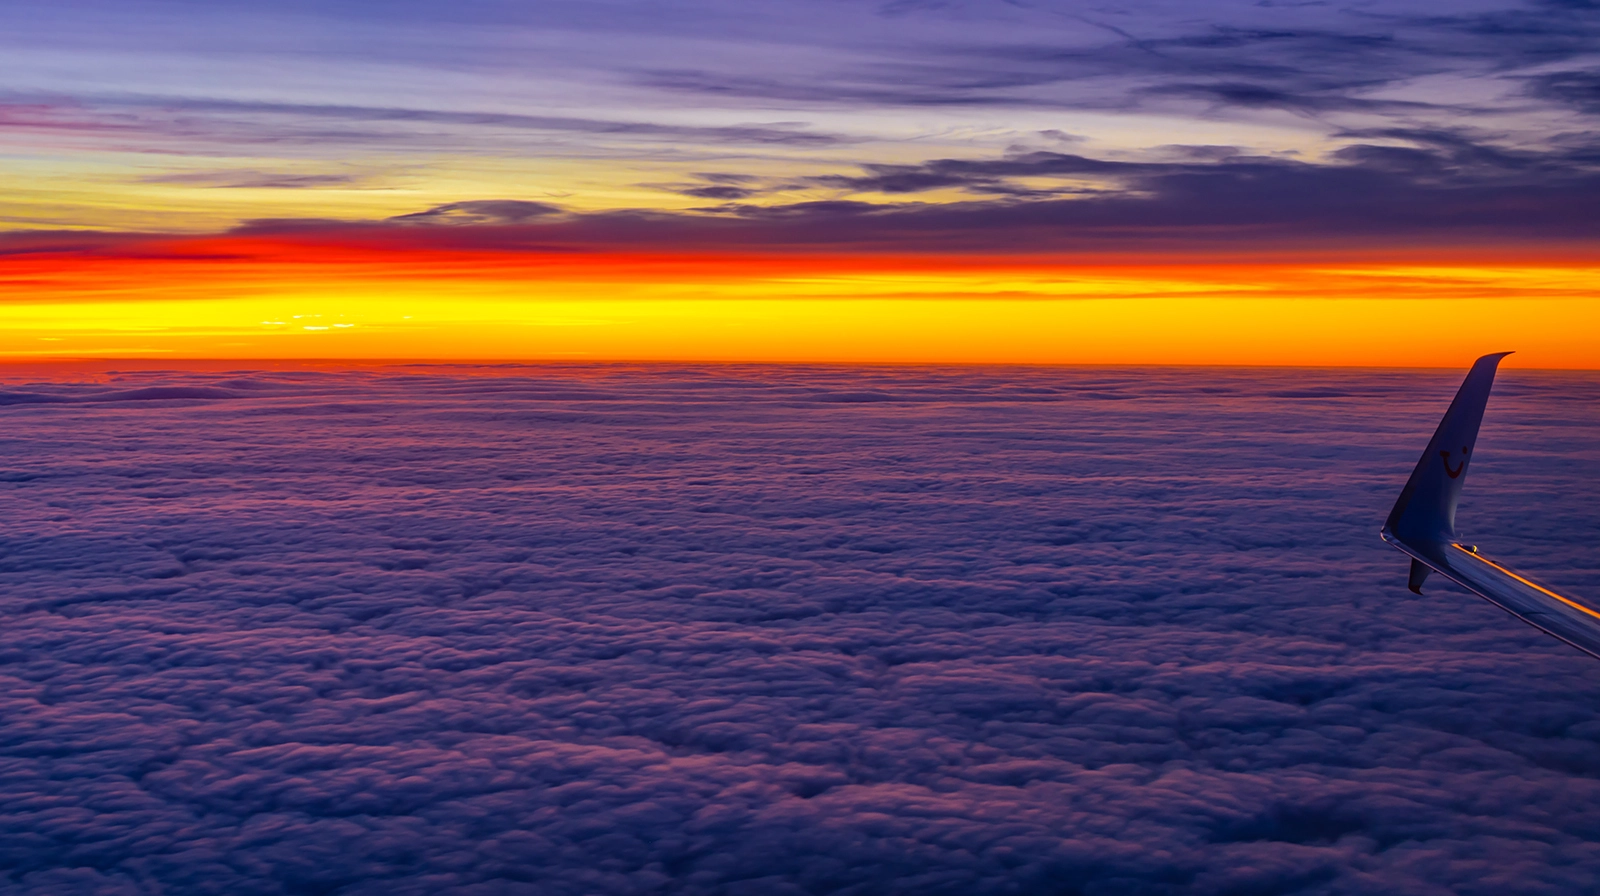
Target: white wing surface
1423, 524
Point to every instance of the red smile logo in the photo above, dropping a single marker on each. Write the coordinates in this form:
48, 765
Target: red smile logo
1459, 467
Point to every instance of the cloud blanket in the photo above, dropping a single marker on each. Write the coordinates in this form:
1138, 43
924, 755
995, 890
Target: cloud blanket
740, 630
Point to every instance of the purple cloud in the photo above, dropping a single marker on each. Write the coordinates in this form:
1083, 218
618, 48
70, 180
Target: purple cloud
619, 629
483, 211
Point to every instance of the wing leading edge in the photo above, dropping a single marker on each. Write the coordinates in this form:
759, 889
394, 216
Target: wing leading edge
1423, 525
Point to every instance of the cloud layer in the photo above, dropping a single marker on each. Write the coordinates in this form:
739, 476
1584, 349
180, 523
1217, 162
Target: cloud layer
1387, 188
738, 630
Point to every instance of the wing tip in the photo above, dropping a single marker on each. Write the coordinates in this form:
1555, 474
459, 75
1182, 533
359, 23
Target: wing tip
1425, 511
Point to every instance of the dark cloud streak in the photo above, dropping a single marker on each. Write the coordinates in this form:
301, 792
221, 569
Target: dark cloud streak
1579, 89
481, 212
254, 180
229, 121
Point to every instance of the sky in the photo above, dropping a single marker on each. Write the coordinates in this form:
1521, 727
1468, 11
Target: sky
1264, 182
465, 630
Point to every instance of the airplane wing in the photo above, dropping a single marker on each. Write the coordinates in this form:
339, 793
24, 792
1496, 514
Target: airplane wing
1423, 525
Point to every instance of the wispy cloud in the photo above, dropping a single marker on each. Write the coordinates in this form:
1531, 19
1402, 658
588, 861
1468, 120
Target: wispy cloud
719, 191
992, 176
1389, 188
253, 180
1579, 88
480, 212
206, 123
1350, 59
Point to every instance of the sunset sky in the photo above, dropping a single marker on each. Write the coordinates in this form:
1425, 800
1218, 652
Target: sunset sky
1407, 183
793, 447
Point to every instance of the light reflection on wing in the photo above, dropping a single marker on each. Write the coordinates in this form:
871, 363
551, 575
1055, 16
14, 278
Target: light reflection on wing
1569, 619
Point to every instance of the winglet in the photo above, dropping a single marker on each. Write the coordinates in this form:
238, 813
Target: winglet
1419, 574
1425, 516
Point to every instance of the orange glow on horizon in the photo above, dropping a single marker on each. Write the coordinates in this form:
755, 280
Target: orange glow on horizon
246, 296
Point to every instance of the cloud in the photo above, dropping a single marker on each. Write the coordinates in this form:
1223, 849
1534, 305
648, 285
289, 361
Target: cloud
1342, 66
1386, 188
719, 191
732, 134
481, 211
1407, 183
200, 121
845, 90
1251, 95
1342, 61
975, 175
253, 180
1579, 89
615, 629
726, 177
